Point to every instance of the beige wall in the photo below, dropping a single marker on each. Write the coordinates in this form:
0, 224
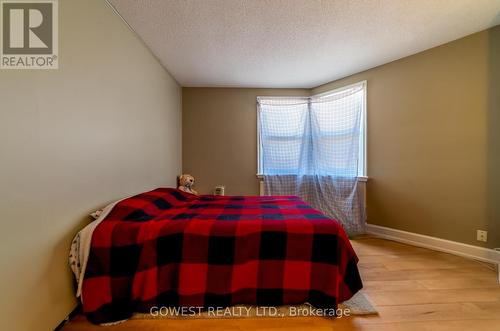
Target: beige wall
219, 128
433, 139
105, 125
493, 138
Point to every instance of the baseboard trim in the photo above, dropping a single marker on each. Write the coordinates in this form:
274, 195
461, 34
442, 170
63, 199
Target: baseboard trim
68, 318
465, 250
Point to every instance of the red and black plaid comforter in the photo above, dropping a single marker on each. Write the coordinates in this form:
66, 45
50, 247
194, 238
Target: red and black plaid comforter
170, 248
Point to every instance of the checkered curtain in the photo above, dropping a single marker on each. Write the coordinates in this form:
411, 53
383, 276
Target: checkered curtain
310, 147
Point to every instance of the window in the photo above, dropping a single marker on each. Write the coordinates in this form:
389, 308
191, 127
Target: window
322, 135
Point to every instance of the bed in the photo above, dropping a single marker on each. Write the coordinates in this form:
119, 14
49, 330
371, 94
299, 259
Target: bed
170, 248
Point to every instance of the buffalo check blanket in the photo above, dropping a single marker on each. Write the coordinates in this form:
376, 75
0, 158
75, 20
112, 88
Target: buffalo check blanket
171, 248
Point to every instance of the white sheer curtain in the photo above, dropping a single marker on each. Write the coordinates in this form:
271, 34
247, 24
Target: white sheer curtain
310, 147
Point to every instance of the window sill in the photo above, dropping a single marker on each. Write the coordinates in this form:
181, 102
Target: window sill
360, 178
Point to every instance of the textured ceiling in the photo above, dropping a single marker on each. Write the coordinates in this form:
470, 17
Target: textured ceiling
295, 43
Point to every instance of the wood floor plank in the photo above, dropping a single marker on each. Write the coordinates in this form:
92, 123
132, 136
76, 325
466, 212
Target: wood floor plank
482, 325
392, 285
432, 312
417, 297
463, 282
466, 273
413, 289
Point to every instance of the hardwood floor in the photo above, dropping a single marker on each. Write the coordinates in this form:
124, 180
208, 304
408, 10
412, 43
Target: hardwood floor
413, 289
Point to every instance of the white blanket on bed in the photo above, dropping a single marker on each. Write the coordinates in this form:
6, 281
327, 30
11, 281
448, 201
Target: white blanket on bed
80, 247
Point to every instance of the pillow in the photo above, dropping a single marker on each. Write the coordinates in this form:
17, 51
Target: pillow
95, 215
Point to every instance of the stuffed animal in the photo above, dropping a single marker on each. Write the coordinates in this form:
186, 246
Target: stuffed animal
186, 183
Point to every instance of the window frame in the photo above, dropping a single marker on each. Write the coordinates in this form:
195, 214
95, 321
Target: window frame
363, 141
